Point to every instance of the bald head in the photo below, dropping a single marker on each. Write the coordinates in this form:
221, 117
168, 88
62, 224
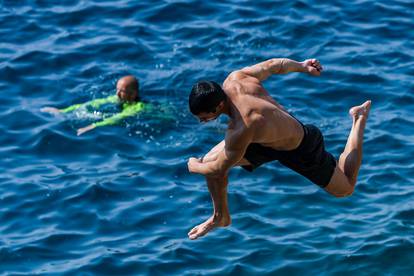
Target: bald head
127, 89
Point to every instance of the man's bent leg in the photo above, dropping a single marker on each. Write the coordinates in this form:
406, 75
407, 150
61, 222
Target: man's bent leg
217, 187
345, 175
221, 216
212, 155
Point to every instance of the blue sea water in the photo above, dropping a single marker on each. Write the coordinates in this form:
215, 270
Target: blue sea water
120, 201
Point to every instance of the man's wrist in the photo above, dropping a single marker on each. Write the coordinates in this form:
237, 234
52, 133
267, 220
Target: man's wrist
302, 67
294, 66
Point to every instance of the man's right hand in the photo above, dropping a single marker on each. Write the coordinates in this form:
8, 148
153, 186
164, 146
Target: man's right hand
192, 164
312, 67
51, 110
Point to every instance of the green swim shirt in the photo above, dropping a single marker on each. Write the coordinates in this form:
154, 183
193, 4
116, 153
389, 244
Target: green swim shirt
94, 103
128, 109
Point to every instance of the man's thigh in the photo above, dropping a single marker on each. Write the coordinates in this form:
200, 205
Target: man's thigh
214, 152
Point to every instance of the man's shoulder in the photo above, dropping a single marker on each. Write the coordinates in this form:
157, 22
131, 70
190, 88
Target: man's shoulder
231, 82
238, 80
236, 76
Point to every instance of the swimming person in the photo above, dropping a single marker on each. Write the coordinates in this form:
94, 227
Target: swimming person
126, 94
260, 130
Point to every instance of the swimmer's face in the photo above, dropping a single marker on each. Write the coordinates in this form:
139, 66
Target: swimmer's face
125, 93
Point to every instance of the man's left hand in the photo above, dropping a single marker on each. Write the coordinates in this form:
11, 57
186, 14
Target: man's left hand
312, 67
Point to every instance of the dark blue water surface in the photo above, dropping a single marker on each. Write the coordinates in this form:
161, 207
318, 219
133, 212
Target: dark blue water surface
120, 201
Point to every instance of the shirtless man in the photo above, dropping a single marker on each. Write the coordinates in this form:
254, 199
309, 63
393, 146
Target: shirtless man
260, 130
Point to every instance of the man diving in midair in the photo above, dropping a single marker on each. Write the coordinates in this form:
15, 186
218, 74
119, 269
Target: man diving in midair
260, 130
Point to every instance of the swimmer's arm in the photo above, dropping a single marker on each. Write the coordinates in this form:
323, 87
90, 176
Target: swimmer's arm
54, 110
98, 102
85, 129
94, 103
106, 122
113, 120
265, 69
63, 110
51, 110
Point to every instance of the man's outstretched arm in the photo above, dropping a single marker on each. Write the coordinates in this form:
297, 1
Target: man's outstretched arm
263, 70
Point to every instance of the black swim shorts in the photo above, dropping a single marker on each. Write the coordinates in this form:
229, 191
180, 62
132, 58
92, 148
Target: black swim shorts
309, 159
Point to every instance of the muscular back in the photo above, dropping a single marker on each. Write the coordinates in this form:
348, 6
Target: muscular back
274, 127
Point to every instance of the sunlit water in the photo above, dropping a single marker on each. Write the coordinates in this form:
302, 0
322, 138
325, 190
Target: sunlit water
120, 201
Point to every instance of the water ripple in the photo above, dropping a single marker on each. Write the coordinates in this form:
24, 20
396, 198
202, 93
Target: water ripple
120, 200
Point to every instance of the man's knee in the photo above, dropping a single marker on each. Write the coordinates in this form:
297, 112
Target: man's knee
343, 193
347, 194
340, 184
340, 188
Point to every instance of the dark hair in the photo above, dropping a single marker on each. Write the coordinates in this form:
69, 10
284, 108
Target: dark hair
205, 96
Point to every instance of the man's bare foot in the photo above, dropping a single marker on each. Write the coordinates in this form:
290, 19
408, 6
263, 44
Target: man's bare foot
205, 227
360, 110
